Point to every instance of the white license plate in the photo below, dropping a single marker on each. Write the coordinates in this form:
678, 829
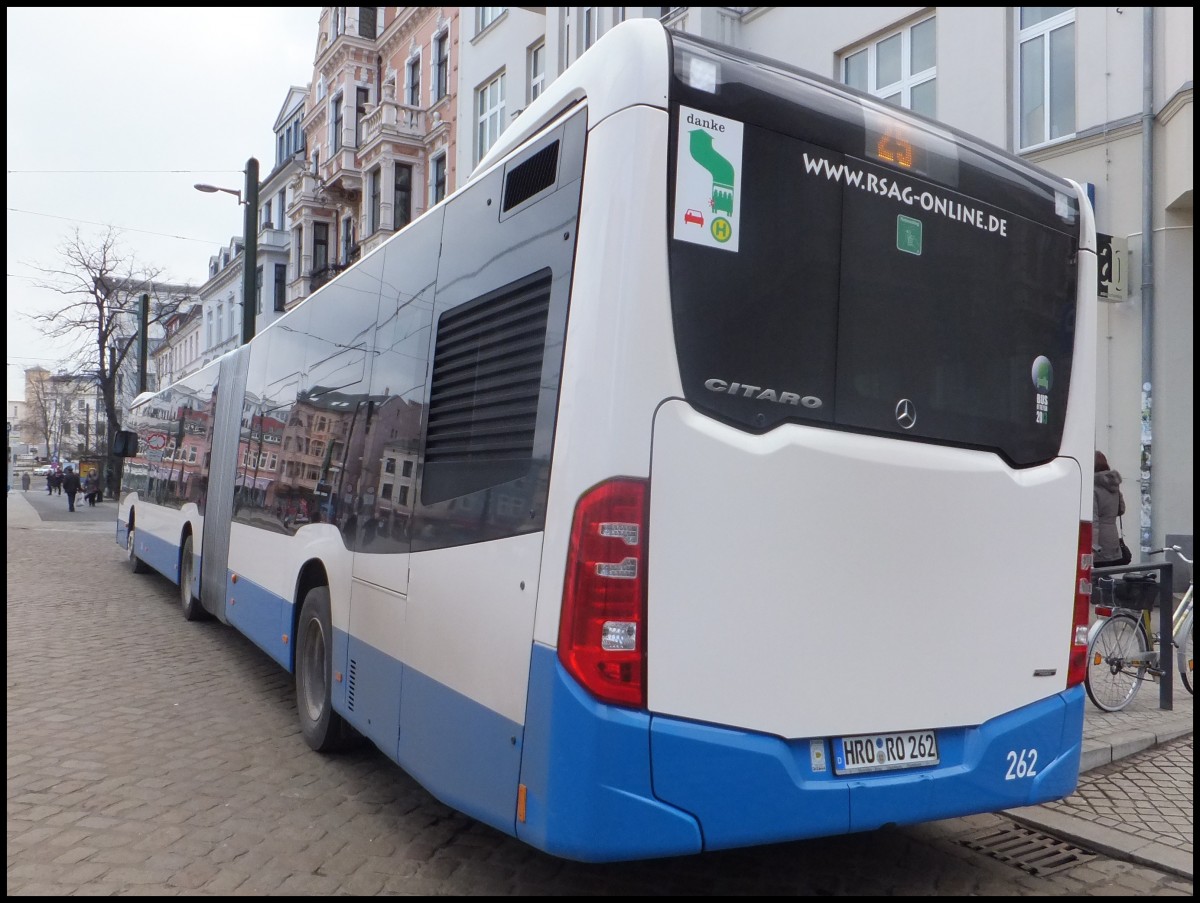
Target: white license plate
884, 752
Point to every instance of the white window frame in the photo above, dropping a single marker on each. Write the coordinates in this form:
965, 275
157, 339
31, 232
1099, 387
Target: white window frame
412, 93
901, 88
435, 66
537, 74
591, 26
337, 118
486, 15
1042, 30
444, 160
489, 114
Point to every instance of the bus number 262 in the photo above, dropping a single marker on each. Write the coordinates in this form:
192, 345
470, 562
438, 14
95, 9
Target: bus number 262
1021, 764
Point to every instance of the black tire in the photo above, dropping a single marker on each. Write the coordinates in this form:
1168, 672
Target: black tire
135, 564
192, 609
324, 730
1116, 664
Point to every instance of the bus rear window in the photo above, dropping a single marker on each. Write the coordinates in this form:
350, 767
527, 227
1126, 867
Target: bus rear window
862, 298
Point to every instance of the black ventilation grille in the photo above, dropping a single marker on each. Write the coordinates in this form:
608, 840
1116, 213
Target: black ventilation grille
351, 680
1032, 851
524, 181
487, 370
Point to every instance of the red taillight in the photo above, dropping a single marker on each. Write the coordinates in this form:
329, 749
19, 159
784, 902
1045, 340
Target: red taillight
602, 635
1083, 601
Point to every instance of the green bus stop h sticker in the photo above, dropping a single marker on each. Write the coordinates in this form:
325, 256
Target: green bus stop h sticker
908, 234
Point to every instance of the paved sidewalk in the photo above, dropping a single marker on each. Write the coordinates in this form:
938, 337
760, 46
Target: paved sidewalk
1134, 800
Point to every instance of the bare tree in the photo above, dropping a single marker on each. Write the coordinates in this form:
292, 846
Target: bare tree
39, 411
102, 286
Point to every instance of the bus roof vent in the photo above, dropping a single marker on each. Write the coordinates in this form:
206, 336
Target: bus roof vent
487, 375
526, 179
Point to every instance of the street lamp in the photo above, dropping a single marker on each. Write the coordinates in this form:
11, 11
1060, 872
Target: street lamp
250, 251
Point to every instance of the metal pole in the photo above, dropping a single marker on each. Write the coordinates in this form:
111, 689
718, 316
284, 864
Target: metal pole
1147, 430
250, 253
143, 341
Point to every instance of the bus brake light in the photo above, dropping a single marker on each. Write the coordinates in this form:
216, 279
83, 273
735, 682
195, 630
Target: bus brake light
1077, 666
601, 637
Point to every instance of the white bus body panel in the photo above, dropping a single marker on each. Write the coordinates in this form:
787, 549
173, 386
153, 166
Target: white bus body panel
791, 592
1079, 428
620, 349
272, 561
469, 619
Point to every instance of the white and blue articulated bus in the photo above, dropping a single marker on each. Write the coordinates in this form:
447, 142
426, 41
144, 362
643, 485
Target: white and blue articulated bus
713, 468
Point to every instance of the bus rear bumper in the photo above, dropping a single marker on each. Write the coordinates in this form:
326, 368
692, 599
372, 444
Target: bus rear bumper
605, 783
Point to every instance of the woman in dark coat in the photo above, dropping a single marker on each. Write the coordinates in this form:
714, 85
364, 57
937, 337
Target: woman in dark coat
1107, 507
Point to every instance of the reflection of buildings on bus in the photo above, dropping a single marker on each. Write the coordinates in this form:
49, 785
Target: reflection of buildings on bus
258, 459
173, 446
317, 432
185, 454
390, 467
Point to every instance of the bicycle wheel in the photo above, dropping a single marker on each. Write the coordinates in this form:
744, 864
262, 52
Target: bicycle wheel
1111, 680
1185, 656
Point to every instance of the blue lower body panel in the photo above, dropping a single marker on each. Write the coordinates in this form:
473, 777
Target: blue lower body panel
605, 783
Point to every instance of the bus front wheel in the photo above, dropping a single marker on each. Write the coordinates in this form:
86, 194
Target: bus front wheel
324, 730
135, 564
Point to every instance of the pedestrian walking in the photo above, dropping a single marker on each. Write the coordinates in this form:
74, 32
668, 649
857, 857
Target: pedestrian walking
24, 482
57, 482
50, 482
70, 483
91, 486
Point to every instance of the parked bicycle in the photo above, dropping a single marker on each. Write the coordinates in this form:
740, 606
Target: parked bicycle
1120, 652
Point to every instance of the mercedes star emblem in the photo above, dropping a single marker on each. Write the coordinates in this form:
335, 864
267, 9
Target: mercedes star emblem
906, 413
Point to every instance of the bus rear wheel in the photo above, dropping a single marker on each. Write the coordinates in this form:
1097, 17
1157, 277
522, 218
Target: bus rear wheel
192, 610
324, 730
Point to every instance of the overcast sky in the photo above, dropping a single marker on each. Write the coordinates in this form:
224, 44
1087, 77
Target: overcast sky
114, 114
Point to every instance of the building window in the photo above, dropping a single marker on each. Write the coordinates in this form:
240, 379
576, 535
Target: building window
280, 286
338, 24
258, 291
485, 16
374, 185
439, 178
320, 247
360, 115
266, 215
899, 68
589, 26
298, 245
367, 16
348, 243
1046, 74
336, 118
489, 107
537, 70
413, 91
441, 65
402, 197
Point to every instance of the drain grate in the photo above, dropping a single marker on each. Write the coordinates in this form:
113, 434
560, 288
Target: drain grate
1034, 852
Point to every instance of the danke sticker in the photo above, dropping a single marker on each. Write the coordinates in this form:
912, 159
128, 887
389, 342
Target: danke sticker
708, 180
